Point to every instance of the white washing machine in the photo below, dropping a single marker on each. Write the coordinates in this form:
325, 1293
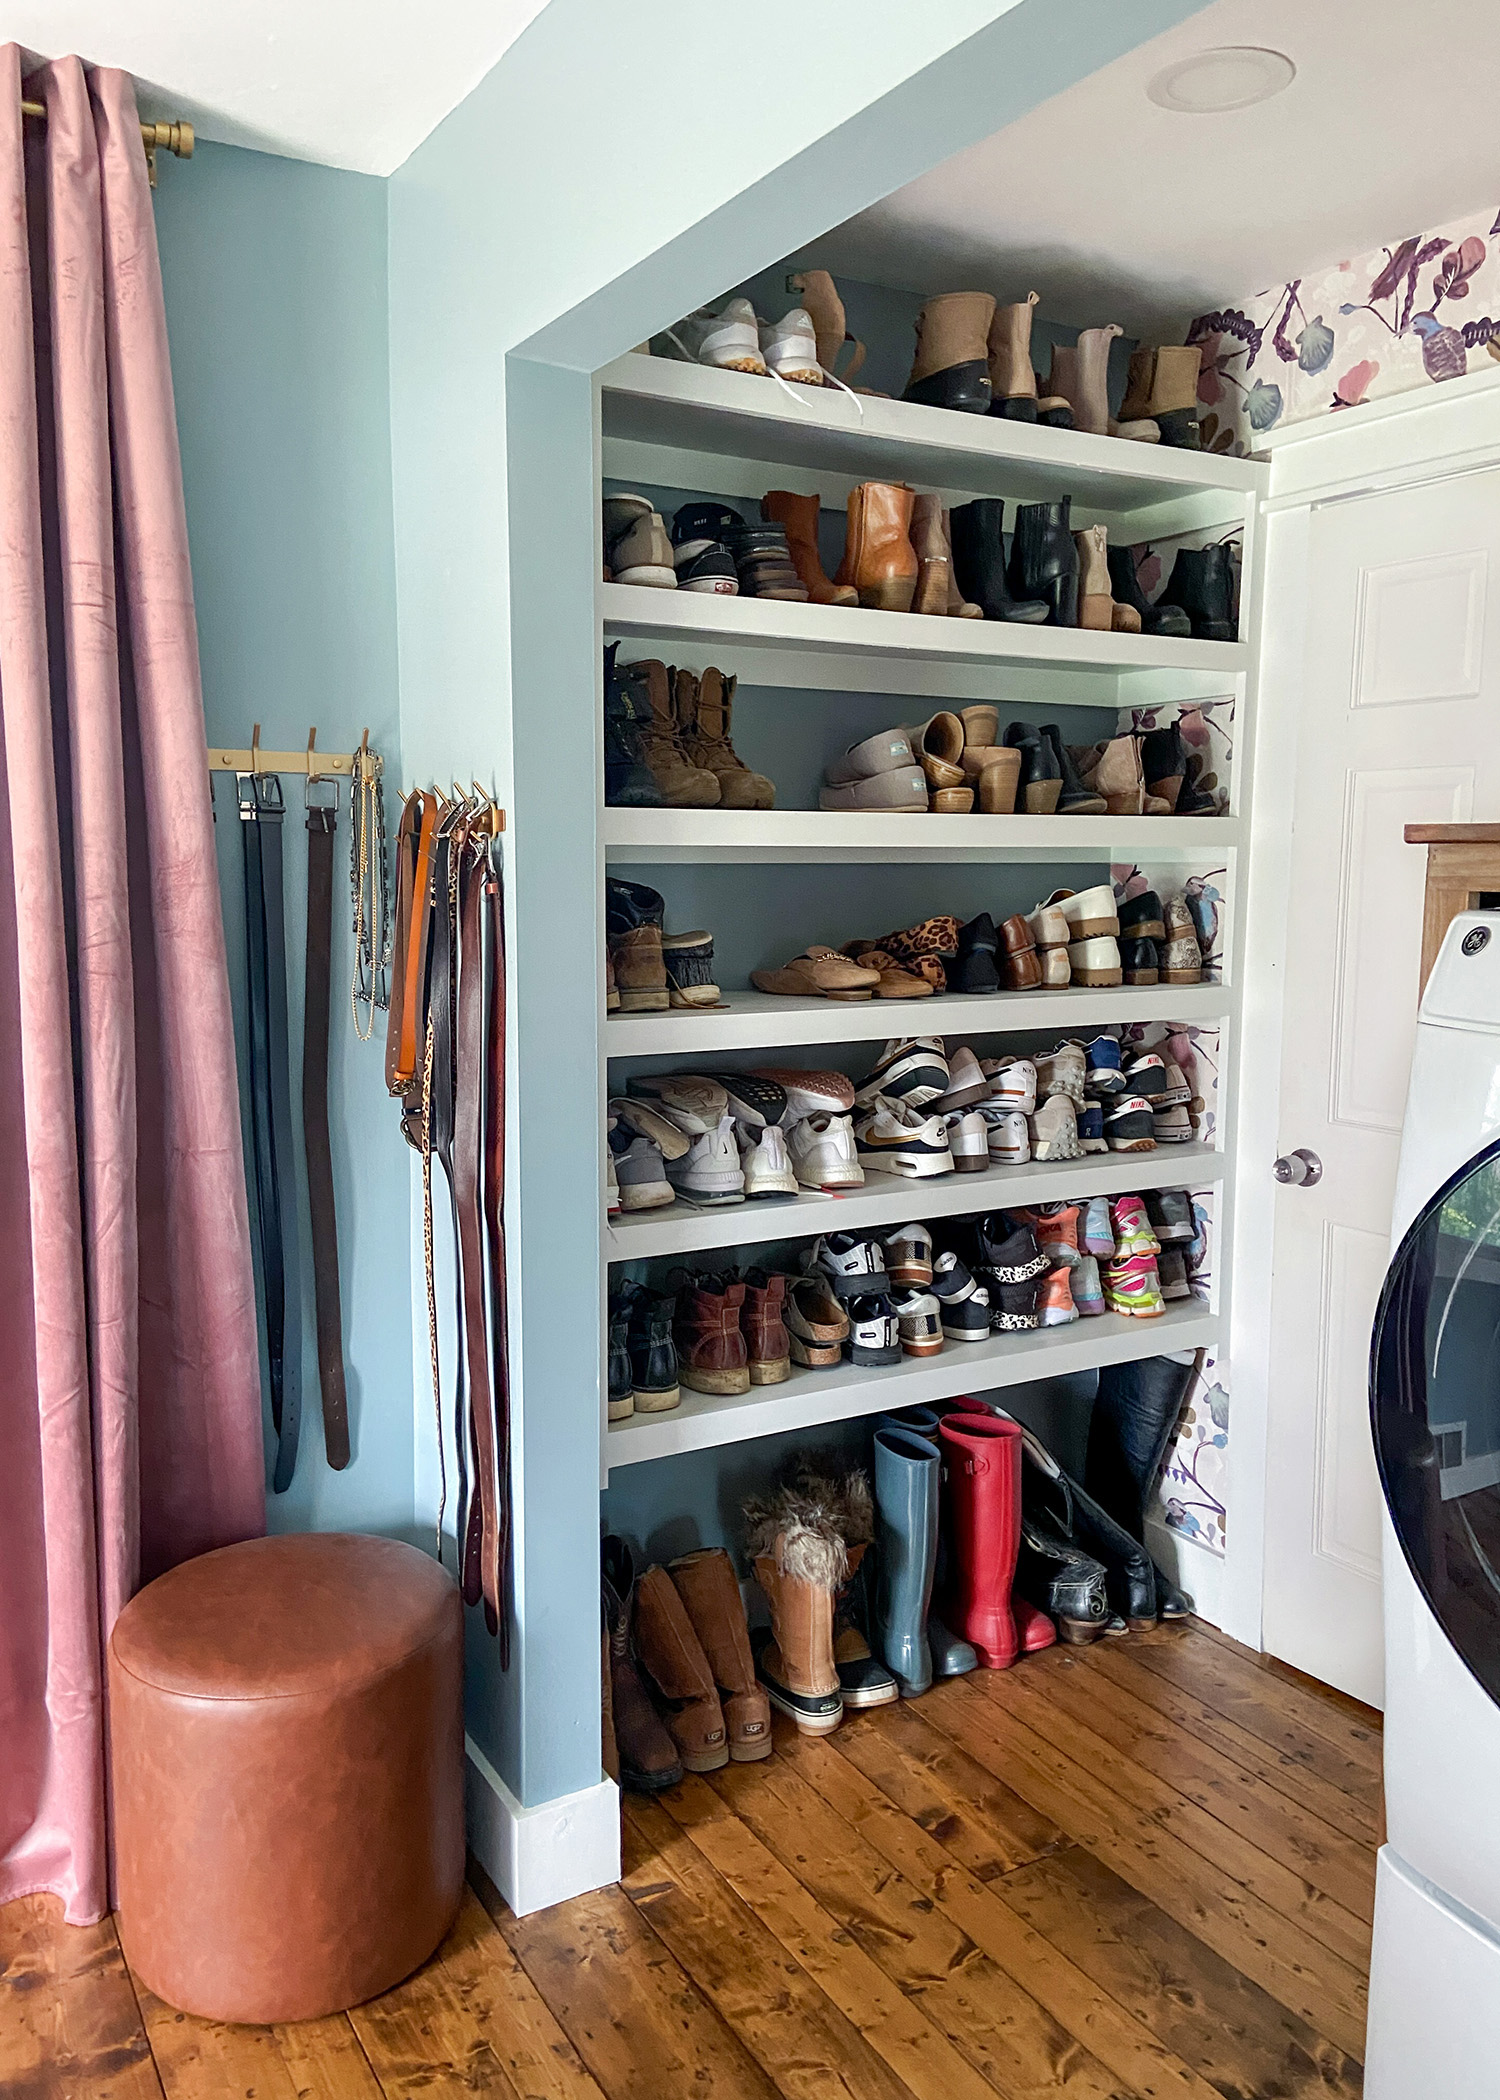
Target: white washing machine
1435, 1410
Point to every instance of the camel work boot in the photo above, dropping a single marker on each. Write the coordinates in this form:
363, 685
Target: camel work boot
1012, 378
704, 706
633, 917
879, 559
674, 1661
710, 1594
951, 368
1164, 387
683, 785
798, 517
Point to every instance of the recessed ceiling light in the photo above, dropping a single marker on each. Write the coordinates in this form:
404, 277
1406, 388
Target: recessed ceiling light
1211, 82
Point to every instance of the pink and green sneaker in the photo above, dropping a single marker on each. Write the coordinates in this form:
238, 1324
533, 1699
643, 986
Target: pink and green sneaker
1131, 1285
1133, 1230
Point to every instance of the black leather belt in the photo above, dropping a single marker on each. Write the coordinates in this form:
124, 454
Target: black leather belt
322, 821
261, 810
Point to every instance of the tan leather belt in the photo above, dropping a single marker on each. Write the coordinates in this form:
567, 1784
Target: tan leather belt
403, 1044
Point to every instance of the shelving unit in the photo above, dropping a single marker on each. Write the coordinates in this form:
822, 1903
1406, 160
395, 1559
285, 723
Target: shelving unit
668, 426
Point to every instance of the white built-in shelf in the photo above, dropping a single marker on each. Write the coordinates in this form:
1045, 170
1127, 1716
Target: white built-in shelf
786, 634
888, 1200
695, 835
807, 1398
692, 410
760, 1020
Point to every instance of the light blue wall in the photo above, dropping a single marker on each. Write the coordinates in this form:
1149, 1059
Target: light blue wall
276, 295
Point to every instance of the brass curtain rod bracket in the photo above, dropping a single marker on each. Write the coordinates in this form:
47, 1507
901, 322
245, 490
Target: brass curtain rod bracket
176, 138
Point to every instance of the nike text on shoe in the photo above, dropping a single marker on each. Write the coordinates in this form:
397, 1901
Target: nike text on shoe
893, 1138
1128, 1124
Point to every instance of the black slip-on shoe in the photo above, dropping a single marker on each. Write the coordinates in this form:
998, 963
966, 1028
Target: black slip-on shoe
1141, 918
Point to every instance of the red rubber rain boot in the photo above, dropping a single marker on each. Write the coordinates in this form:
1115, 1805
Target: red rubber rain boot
982, 1519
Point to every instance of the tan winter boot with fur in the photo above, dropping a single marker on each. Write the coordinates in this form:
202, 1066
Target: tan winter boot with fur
703, 707
674, 1660
683, 784
705, 1581
801, 1563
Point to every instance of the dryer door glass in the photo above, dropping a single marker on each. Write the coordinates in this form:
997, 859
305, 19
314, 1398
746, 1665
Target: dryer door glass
1435, 1408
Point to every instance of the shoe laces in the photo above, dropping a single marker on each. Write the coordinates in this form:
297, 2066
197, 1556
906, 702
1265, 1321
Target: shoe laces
793, 393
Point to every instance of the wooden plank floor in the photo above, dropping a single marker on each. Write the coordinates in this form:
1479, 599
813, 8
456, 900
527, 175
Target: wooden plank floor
1141, 1869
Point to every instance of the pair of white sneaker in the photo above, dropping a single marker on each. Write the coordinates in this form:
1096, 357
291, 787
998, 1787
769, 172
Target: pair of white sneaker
732, 1160
989, 1135
736, 341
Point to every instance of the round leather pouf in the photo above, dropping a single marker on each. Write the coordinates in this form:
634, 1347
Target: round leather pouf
287, 1754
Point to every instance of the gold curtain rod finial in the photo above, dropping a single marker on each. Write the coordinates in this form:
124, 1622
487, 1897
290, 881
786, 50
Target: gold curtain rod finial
177, 138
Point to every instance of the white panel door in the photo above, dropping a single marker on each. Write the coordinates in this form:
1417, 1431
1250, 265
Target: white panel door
1400, 724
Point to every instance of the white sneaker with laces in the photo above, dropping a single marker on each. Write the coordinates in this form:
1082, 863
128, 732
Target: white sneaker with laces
729, 341
790, 347
1013, 1084
710, 1171
894, 1138
968, 1140
1009, 1135
823, 1152
763, 1157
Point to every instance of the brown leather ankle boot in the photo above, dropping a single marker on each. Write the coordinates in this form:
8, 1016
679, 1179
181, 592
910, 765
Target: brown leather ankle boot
683, 785
674, 1661
798, 516
763, 1325
879, 559
704, 709
647, 1756
1012, 378
711, 1597
951, 368
711, 1353
935, 585
633, 924
1095, 605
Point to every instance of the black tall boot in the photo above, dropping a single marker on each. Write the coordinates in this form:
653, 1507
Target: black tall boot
1044, 560
979, 563
1201, 583
1126, 588
1054, 1500
1135, 1417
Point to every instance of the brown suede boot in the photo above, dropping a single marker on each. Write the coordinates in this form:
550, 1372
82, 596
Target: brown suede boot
675, 1662
763, 1324
711, 1596
879, 559
648, 1759
711, 1352
798, 517
1096, 607
930, 544
951, 368
683, 785
704, 709
820, 299
1012, 378
1164, 387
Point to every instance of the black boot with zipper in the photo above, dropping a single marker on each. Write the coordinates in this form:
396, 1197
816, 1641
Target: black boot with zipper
1044, 559
1201, 584
1126, 589
1039, 789
978, 531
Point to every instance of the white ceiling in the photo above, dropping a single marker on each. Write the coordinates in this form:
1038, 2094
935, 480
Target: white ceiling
1115, 209
356, 83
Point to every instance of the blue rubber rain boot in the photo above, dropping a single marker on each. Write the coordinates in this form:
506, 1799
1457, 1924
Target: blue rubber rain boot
906, 1507
951, 1657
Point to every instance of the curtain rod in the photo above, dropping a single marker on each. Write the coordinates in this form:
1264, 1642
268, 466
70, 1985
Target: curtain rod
176, 138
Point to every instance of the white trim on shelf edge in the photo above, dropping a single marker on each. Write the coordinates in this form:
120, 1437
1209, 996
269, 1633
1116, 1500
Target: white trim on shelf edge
697, 835
889, 1200
543, 1855
807, 1399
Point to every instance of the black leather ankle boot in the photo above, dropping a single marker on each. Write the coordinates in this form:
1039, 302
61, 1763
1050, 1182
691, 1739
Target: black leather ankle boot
979, 562
1040, 786
1200, 583
1164, 763
1076, 800
975, 969
1125, 588
1044, 560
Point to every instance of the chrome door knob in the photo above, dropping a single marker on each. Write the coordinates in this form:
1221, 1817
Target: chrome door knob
1301, 1169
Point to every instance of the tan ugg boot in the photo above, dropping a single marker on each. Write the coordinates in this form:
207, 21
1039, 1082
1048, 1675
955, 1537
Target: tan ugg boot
703, 707
1012, 378
798, 517
674, 1660
935, 584
1095, 605
951, 368
706, 1584
683, 784
879, 559
1164, 387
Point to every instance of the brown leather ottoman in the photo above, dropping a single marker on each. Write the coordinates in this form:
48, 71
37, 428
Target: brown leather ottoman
287, 1755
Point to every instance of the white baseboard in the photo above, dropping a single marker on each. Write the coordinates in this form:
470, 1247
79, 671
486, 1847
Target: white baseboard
1192, 1568
543, 1855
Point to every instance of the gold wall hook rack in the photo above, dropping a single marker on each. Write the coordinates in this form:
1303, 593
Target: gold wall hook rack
311, 764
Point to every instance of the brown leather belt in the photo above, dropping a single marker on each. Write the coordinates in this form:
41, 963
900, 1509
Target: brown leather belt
321, 822
403, 1043
494, 1218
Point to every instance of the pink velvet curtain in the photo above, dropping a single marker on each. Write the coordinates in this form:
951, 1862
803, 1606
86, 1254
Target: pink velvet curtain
129, 1387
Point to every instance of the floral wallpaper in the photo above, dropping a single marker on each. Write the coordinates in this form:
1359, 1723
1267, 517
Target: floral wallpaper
1194, 1485
1426, 310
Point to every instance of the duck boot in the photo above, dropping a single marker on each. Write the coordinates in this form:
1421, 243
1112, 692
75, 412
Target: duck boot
629, 782
633, 916
879, 559
800, 1562
1096, 607
1012, 377
673, 1658
1041, 772
711, 1352
978, 531
1044, 561
1126, 586
647, 1755
1075, 800
1164, 388
798, 518
710, 1594
951, 368
934, 557
704, 709
864, 1680
1202, 585
683, 785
